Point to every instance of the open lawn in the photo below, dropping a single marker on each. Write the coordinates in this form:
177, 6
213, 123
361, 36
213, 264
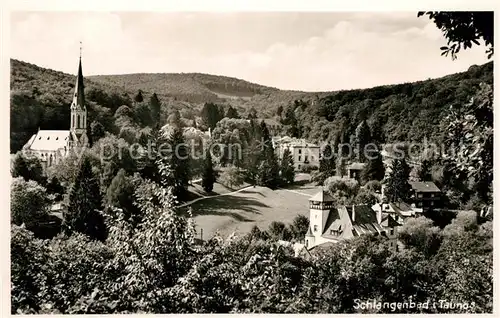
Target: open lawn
239, 212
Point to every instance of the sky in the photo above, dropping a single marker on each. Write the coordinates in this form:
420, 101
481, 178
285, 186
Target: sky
307, 51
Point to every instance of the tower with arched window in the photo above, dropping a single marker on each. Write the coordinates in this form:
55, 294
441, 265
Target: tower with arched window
78, 120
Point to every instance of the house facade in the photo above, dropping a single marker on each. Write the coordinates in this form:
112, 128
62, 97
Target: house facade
355, 170
425, 195
304, 154
331, 223
52, 145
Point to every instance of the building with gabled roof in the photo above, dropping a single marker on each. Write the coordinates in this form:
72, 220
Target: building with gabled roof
52, 145
304, 154
329, 222
425, 195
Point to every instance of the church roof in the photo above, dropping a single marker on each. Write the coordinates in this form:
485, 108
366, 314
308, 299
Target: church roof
322, 196
49, 140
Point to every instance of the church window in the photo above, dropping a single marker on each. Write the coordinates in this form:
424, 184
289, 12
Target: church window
78, 121
315, 228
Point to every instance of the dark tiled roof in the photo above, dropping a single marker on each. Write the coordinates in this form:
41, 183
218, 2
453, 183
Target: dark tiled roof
426, 186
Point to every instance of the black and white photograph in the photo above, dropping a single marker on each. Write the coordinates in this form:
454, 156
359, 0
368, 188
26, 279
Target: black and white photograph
300, 162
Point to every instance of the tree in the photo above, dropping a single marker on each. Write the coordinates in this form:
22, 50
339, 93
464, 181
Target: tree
252, 114
85, 205
470, 133
363, 138
155, 107
208, 175
54, 187
28, 167
340, 169
139, 98
211, 115
121, 194
365, 196
344, 190
424, 171
88, 136
462, 29
178, 162
327, 164
279, 111
29, 202
397, 188
109, 155
291, 121
143, 114
287, 169
231, 177
268, 171
420, 233
377, 133
97, 131
299, 226
375, 169
373, 186
278, 231
232, 113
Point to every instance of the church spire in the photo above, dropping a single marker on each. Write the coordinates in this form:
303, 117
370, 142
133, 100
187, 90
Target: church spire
79, 96
78, 120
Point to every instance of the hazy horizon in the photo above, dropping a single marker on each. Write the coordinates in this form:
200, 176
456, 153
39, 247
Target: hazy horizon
311, 52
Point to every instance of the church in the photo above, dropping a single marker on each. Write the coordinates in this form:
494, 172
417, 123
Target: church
52, 145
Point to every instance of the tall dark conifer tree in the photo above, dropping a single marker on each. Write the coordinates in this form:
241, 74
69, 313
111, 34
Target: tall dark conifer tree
84, 213
287, 169
397, 188
208, 175
179, 163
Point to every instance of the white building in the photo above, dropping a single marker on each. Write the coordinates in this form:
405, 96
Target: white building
304, 153
329, 222
52, 145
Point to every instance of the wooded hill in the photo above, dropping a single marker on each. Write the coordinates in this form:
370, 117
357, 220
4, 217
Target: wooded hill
411, 111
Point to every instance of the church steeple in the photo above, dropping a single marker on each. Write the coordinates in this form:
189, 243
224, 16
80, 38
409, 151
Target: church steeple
79, 96
78, 108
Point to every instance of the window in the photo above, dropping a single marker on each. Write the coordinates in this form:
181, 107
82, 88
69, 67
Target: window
392, 232
332, 232
78, 121
432, 195
419, 195
299, 157
419, 204
299, 166
305, 158
315, 228
300, 151
432, 203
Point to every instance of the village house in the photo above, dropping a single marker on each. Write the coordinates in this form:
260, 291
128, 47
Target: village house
355, 169
425, 195
52, 145
329, 222
304, 154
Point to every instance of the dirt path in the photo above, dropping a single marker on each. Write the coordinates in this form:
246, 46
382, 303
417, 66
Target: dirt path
297, 192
